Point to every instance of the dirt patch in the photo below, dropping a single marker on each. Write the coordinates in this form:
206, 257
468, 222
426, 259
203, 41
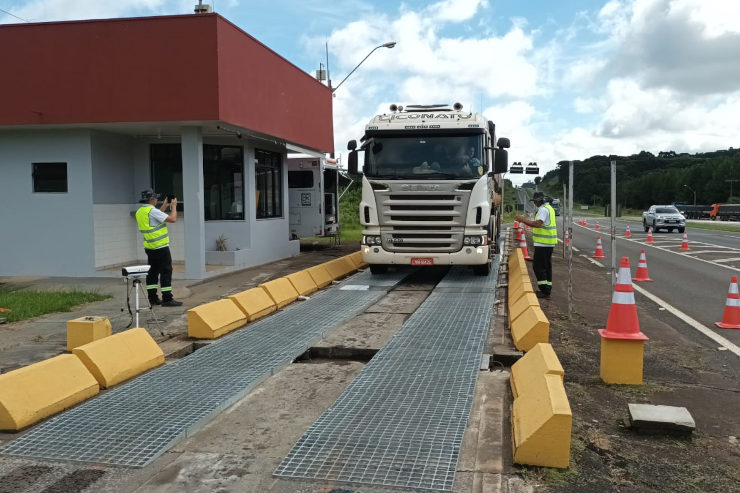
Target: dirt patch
679, 369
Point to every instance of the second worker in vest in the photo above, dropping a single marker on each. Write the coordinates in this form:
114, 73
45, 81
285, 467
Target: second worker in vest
544, 238
152, 224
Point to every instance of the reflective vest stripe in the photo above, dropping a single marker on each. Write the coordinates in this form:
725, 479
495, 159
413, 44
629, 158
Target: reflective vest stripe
547, 235
154, 237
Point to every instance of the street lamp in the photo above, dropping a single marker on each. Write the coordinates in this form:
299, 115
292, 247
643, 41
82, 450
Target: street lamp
692, 191
390, 44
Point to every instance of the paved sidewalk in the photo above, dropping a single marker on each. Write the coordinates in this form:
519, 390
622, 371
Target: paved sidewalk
30, 341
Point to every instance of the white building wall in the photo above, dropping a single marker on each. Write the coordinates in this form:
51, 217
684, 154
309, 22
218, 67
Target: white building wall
46, 234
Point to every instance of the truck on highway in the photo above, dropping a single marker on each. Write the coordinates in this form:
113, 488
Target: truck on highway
665, 217
725, 212
313, 196
432, 187
694, 211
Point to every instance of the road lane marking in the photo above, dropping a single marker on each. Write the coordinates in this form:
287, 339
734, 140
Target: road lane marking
721, 260
642, 243
690, 321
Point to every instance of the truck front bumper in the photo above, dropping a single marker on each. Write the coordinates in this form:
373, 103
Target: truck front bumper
469, 255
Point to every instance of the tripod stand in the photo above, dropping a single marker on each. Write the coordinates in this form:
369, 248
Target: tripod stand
138, 287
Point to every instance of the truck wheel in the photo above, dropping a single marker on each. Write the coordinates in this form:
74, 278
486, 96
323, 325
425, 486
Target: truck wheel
378, 268
482, 270
644, 225
681, 230
655, 228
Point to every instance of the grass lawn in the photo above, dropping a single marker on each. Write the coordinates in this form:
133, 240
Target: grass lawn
24, 304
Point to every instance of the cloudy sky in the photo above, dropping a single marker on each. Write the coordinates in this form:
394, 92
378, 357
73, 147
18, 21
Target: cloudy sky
562, 80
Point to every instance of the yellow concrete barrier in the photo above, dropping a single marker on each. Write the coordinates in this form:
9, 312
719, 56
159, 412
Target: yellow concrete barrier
357, 260
214, 319
516, 258
281, 291
254, 303
320, 275
121, 356
303, 282
524, 302
340, 267
37, 391
540, 360
87, 329
541, 419
518, 286
529, 328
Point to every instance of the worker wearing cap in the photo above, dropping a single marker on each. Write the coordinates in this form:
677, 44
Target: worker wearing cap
152, 224
544, 238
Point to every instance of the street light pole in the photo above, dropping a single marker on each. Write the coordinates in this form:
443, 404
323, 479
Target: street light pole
390, 44
694, 192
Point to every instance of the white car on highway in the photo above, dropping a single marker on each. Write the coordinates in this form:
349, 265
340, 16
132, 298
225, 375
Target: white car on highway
663, 216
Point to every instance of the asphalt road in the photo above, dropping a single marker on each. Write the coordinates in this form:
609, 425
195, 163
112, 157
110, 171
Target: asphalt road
695, 281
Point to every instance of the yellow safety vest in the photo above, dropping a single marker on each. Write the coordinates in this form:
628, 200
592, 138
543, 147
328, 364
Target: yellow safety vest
154, 237
546, 235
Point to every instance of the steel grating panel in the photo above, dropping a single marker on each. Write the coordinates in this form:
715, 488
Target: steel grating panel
136, 422
401, 420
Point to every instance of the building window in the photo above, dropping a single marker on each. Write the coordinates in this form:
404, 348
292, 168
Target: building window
166, 161
268, 184
223, 182
300, 179
50, 177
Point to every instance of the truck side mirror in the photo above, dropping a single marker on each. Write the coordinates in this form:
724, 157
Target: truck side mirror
503, 143
352, 160
352, 145
500, 161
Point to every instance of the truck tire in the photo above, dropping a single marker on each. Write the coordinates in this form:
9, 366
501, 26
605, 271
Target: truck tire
378, 268
655, 228
644, 225
483, 270
681, 230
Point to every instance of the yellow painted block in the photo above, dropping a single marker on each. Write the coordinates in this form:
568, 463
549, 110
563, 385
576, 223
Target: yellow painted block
281, 291
357, 260
254, 303
320, 275
541, 422
214, 319
521, 286
87, 329
524, 302
302, 282
340, 267
529, 328
34, 392
121, 356
516, 258
621, 361
540, 360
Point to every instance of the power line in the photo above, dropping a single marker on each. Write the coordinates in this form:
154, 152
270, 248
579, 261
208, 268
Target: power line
13, 15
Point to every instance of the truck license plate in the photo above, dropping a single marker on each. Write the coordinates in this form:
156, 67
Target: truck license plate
422, 261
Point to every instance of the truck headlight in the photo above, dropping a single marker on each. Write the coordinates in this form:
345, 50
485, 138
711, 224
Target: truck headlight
474, 240
371, 240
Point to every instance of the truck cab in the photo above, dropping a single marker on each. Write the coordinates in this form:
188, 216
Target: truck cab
313, 196
431, 187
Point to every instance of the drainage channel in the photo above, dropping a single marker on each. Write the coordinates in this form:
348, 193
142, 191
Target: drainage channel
135, 423
401, 421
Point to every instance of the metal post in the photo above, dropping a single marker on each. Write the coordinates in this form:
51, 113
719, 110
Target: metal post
613, 218
570, 244
564, 211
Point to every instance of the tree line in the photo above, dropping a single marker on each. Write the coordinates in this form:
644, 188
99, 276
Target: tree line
644, 179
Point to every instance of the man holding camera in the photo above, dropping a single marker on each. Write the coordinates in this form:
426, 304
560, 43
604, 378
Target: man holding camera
152, 224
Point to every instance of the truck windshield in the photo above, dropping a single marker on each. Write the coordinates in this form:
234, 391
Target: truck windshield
431, 157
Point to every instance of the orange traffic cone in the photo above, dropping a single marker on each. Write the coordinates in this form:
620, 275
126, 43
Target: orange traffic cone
567, 238
628, 233
650, 235
523, 246
599, 249
642, 271
585, 223
527, 227
597, 227
516, 225
622, 322
731, 316
685, 243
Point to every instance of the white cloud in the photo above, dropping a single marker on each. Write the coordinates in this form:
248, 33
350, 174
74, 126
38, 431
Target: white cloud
455, 10
58, 10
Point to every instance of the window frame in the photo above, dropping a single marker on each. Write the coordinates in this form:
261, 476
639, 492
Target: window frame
35, 186
207, 148
275, 178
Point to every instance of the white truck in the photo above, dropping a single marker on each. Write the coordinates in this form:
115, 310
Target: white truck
313, 196
431, 188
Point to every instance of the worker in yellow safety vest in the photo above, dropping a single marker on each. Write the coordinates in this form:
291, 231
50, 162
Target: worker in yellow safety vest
152, 224
544, 238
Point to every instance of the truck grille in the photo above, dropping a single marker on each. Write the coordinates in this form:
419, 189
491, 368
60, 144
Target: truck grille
422, 221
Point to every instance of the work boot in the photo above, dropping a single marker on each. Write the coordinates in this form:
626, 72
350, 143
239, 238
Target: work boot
155, 300
171, 302
542, 295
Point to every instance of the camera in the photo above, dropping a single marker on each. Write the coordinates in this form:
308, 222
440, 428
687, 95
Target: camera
171, 197
135, 271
